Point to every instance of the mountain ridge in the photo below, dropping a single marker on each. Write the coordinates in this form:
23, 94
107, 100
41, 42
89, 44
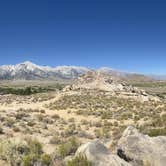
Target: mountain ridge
30, 71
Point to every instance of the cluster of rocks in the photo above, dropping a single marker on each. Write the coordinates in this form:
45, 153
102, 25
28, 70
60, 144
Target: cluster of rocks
102, 81
96, 80
133, 149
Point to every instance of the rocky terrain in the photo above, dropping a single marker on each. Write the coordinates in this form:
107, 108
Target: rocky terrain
83, 124
134, 149
99, 80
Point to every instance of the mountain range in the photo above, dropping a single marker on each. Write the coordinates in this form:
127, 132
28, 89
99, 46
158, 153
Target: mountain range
30, 71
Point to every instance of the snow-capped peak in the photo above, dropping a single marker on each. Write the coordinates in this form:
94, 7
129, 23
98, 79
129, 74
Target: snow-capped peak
29, 70
28, 63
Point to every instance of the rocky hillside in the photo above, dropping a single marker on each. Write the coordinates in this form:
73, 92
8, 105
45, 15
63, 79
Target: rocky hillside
100, 80
97, 80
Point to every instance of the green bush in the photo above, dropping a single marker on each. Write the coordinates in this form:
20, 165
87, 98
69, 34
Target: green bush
157, 132
24, 153
69, 147
29, 90
46, 159
79, 160
55, 140
102, 132
1, 130
35, 146
30, 159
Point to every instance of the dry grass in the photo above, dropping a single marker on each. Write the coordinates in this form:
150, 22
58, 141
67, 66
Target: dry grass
55, 118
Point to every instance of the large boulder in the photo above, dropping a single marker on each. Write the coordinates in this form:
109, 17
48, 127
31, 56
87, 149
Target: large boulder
99, 155
142, 149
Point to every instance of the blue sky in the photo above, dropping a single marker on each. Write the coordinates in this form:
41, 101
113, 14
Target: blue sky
125, 34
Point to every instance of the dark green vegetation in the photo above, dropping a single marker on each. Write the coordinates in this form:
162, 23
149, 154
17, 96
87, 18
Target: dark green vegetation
153, 87
79, 160
153, 84
29, 90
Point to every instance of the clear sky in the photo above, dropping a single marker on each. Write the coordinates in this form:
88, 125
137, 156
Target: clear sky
123, 34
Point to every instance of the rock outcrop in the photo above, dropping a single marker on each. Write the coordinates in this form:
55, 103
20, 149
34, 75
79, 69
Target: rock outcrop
133, 149
96, 80
99, 155
142, 149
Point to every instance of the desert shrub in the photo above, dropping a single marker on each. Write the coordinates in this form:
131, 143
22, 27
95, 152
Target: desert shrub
20, 115
84, 122
97, 124
1, 130
107, 123
32, 159
157, 132
117, 132
9, 122
48, 120
34, 146
13, 152
29, 160
97, 133
71, 120
40, 117
69, 147
46, 159
115, 123
79, 160
42, 111
55, 140
70, 130
31, 123
16, 129
55, 116
126, 116
24, 153
102, 132
136, 118
106, 115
